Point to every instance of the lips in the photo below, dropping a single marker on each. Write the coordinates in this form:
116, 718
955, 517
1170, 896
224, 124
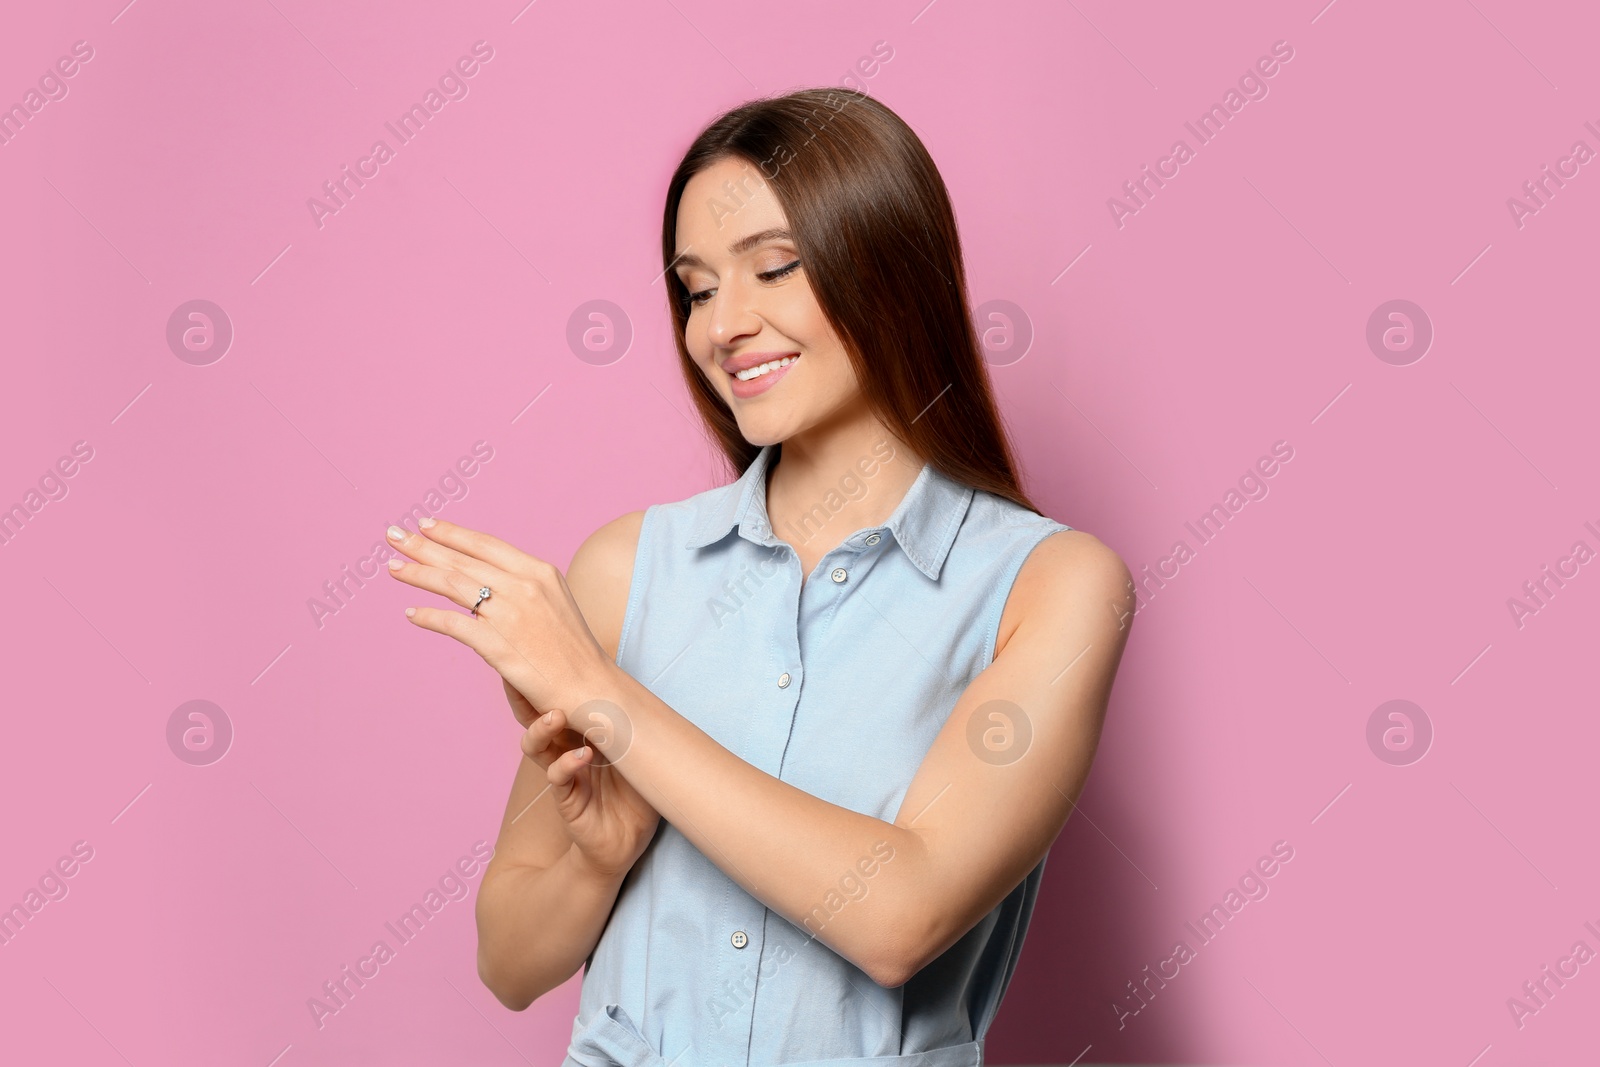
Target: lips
753, 359
768, 367
744, 389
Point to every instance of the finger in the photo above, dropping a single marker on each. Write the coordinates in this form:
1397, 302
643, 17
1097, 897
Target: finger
424, 550
544, 743
535, 745
566, 768
464, 628
570, 784
481, 635
575, 797
545, 738
474, 544
453, 585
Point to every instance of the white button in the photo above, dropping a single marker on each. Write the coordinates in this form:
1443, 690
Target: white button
873, 539
839, 574
783, 680
739, 939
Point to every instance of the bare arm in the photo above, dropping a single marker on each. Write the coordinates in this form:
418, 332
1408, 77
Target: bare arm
542, 906
970, 827
537, 922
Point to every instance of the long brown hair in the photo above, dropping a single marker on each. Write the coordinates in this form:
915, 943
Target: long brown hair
872, 220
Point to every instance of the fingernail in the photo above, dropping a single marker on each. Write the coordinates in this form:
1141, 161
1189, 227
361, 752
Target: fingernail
410, 612
426, 524
547, 716
396, 534
396, 564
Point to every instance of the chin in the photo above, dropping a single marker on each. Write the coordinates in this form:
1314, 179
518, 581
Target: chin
762, 435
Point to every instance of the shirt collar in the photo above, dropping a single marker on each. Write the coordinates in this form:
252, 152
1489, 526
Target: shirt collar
924, 524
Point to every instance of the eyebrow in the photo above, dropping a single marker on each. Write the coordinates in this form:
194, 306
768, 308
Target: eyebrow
737, 248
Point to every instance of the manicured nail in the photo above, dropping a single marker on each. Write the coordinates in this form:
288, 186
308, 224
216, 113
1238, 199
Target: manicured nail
396, 534
410, 612
396, 564
426, 524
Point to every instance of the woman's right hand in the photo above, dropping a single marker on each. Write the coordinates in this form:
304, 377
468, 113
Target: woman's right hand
610, 823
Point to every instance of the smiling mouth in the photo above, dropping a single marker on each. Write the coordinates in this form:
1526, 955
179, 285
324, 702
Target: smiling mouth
764, 369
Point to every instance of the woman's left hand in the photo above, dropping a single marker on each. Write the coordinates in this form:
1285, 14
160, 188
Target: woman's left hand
530, 629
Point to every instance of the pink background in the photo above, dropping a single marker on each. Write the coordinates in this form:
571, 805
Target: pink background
370, 354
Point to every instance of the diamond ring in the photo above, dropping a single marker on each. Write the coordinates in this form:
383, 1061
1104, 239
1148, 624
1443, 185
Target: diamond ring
483, 594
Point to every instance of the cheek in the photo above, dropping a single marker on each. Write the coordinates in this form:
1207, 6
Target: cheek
707, 372
700, 353
798, 317
830, 378
803, 324
832, 367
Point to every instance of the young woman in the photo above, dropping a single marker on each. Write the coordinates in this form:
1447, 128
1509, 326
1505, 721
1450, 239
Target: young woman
796, 747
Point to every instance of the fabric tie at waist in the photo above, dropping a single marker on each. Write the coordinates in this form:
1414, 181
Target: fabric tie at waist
612, 1040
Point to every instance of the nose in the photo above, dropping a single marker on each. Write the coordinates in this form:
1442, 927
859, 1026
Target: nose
733, 316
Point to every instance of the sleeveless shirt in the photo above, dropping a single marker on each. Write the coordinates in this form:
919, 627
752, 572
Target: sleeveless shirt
837, 686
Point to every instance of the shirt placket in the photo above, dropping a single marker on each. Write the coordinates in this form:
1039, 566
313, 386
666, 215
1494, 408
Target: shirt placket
742, 937
837, 576
808, 603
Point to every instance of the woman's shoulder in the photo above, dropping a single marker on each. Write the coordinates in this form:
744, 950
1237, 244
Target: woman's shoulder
1060, 559
1071, 555
612, 544
1064, 572
601, 573
1069, 575
602, 568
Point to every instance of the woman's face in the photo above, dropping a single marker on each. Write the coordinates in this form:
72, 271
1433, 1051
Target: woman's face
751, 304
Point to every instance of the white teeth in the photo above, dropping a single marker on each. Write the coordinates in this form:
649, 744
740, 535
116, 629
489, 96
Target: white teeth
756, 372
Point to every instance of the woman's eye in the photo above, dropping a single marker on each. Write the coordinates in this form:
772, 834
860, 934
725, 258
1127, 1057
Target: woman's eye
774, 275
698, 298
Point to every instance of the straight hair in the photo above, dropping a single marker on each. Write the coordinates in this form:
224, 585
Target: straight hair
874, 226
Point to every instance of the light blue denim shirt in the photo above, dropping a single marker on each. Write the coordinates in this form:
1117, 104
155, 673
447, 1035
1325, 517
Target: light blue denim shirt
837, 686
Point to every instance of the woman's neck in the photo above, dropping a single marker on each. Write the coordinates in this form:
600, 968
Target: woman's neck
820, 490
